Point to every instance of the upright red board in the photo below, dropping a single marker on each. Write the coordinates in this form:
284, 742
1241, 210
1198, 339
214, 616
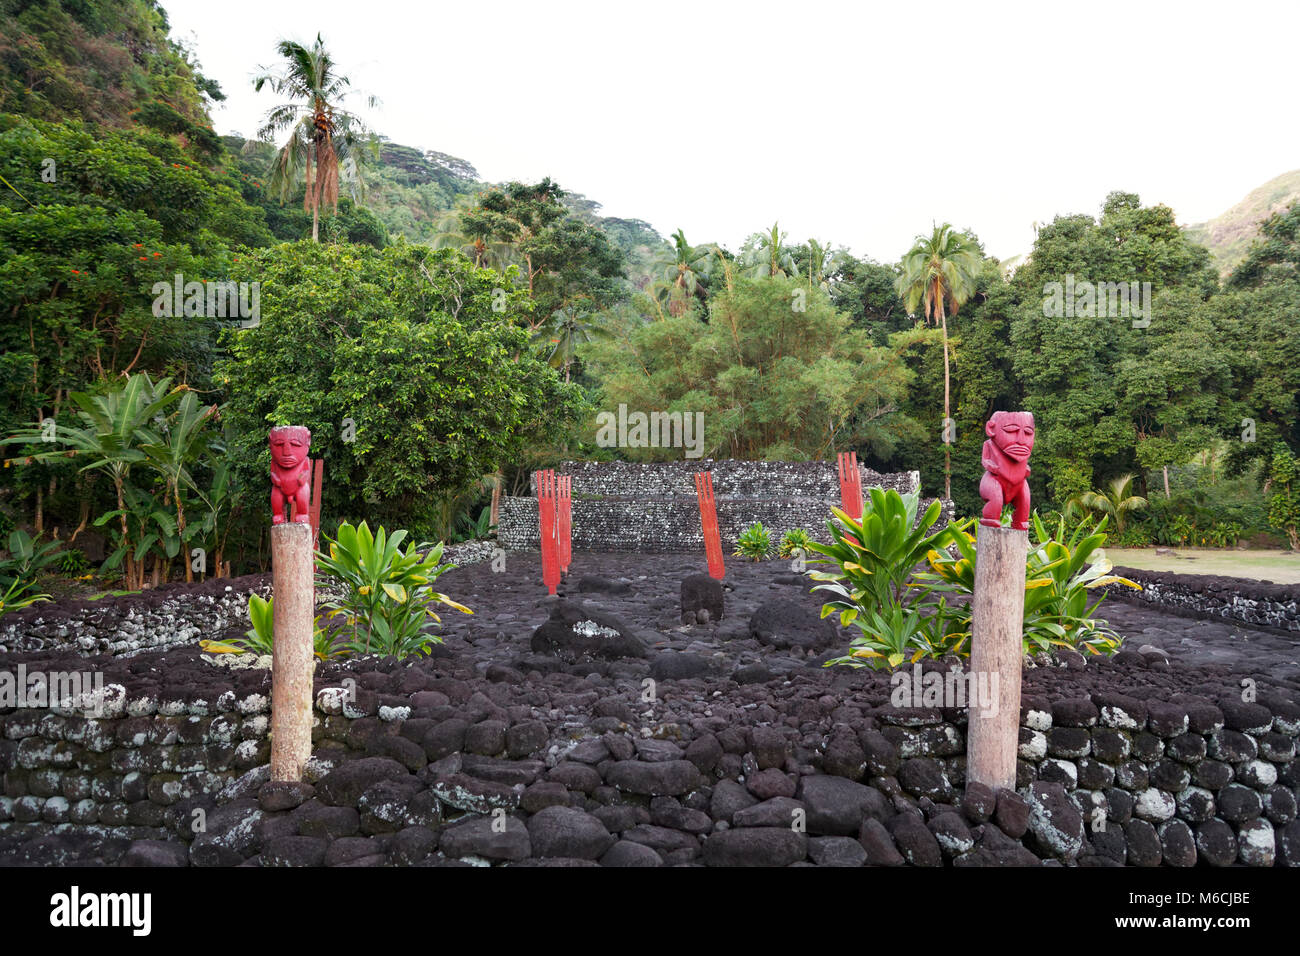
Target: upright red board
850, 484
546, 515
709, 523
564, 536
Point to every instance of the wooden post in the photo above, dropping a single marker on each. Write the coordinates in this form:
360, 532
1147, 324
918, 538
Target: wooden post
547, 513
709, 524
564, 520
496, 498
850, 484
997, 619
292, 663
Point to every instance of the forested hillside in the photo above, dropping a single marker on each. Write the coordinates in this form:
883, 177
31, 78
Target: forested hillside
441, 333
1230, 235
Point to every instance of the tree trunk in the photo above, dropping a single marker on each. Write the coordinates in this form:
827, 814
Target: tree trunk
39, 523
1166, 471
128, 572
180, 530
947, 413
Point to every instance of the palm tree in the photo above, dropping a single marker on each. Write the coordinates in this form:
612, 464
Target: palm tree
684, 272
770, 255
483, 251
939, 273
1116, 501
564, 331
323, 137
821, 263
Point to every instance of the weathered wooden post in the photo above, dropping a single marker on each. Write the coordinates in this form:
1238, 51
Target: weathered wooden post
293, 564
709, 524
546, 516
998, 605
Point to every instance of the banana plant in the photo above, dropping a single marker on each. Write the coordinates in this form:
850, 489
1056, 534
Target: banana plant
28, 557
108, 439
173, 447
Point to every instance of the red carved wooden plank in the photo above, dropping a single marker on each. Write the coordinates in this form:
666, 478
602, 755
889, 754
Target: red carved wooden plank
709, 524
850, 484
564, 536
546, 513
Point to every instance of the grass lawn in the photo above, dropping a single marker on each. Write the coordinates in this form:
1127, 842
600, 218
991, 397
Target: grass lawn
1280, 567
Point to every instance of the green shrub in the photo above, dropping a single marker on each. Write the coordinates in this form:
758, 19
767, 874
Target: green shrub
15, 598
755, 543
27, 559
876, 559
261, 638
1061, 566
1284, 503
72, 562
792, 540
388, 595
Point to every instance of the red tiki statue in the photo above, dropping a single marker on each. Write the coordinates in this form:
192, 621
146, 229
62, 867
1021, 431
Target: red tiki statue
290, 474
1006, 468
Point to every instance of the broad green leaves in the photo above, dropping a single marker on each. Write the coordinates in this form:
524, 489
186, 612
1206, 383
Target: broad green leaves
388, 597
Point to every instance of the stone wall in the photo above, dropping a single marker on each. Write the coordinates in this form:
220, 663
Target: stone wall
1101, 779
1205, 595
653, 508
175, 613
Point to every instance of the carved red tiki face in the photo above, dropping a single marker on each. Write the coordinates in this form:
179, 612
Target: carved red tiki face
289, 446
1013, 433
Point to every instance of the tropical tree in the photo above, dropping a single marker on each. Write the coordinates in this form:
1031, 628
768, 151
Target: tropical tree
566, 263
564, 331
939, 273
323, 137
173, 448
769, 255
113, 431
822, 261
684, 272
1116, 501
484, 251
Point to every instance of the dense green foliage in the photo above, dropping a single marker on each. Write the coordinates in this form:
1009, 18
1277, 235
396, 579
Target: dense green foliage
777, 373
755, 543
413, 384
456, 330
388, 597
904, 615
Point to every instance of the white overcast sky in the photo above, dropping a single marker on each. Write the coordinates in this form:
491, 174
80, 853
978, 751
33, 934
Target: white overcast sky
858, 123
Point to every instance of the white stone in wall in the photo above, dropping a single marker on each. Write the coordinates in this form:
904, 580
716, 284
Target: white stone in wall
1038, 719
1035, 748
